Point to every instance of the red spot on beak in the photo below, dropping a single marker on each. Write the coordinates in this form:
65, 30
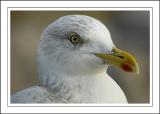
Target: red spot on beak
126, 68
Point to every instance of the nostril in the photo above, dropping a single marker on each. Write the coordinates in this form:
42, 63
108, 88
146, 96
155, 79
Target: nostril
121, 57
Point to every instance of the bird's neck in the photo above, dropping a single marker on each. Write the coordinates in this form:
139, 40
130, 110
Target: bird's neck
75, 88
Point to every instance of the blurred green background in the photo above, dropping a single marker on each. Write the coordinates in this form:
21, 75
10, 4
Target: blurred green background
129, 31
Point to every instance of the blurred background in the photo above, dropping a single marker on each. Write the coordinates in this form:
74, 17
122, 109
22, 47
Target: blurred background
129, 31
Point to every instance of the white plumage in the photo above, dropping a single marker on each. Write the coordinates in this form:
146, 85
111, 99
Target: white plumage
71, 73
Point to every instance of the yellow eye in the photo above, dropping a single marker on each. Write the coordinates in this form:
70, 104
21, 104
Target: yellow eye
74, 38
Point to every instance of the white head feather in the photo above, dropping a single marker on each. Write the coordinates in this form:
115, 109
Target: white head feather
57, 54
71, 73
64, 66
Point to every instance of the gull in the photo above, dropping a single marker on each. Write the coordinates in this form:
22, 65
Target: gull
73, 55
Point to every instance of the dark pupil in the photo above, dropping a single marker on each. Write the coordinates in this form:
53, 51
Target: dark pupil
74, 39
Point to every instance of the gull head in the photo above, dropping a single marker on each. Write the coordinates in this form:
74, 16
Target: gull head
79, 45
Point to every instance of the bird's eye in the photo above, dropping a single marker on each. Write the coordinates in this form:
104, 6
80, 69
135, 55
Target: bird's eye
74, 38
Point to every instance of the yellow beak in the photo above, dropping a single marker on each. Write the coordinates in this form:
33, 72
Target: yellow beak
120, 59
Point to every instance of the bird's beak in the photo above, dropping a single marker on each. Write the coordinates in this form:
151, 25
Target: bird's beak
120, 59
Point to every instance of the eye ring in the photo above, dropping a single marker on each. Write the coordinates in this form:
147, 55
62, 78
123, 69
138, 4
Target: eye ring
74, 38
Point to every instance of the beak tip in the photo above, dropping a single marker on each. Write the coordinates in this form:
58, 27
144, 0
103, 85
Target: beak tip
137, 69
137, 72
